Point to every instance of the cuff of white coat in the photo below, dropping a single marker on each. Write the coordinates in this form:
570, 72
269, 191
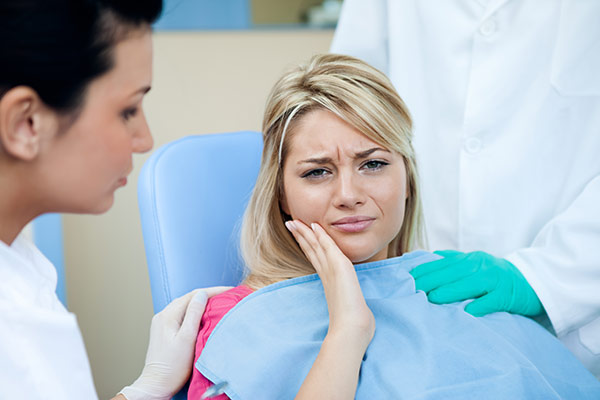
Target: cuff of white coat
542, 292
587, 356
132, 393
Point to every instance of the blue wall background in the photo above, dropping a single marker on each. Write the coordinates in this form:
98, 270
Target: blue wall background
204, 15
48, 237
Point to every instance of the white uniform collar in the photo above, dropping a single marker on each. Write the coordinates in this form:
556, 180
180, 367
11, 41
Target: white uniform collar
26, 276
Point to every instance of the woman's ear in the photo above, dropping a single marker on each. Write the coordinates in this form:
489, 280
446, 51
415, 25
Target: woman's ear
24, 122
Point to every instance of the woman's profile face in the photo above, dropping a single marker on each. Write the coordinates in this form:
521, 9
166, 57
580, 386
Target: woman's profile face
354, 188
91, 159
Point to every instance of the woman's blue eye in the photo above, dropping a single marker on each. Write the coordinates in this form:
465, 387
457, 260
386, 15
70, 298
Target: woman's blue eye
128, 113
375, 164
315, 173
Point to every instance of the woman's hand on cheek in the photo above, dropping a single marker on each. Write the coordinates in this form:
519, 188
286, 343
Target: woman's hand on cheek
348, 311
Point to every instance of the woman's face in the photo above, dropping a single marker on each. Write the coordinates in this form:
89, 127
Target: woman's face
85, 164
355, 189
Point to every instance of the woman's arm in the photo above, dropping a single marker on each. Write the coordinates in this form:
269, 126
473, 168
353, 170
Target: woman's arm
334, 374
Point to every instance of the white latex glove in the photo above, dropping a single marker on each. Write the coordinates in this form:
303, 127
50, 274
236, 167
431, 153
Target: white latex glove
171, 349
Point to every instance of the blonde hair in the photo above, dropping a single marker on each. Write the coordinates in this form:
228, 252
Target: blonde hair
363, 97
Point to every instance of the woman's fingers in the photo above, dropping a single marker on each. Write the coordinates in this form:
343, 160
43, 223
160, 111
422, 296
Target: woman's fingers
308, 243
334, 256
319, 241
326, 241
321, 250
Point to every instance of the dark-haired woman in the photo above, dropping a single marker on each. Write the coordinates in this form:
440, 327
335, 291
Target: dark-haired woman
73, 75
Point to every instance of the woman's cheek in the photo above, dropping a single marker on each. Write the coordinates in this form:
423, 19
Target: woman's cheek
310, 205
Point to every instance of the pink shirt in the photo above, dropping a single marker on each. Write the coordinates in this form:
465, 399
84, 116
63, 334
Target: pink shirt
216, 308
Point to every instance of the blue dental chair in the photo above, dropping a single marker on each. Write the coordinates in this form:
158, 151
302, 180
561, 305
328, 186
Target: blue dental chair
192, 194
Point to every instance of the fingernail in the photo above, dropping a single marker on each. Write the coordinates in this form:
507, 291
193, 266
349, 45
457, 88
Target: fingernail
313, 226
200, 297
289, 225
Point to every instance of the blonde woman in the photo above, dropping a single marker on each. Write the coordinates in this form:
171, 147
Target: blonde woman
337, 194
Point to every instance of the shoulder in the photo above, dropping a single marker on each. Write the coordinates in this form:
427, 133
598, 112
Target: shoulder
216, 307
226, 300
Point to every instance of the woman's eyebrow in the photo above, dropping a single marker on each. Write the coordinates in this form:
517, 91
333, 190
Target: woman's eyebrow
366, 153
321, 160
143, 90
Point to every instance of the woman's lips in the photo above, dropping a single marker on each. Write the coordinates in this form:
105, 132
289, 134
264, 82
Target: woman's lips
353, 224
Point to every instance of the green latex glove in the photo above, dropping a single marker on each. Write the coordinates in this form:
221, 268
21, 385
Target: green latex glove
494, 283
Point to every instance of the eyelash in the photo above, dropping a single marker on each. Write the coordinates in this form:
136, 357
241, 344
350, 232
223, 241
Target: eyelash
380, 164
129, 113
319, 172
312, 174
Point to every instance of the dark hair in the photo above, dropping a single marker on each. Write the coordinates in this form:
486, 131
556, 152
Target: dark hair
57, 47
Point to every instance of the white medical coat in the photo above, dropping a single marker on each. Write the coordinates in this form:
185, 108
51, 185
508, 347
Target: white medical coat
505, 97
42, 355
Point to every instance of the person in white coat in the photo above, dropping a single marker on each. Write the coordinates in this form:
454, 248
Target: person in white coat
505, 97
72, 78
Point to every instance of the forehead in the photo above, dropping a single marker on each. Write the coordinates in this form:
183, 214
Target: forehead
322, 133
132, 67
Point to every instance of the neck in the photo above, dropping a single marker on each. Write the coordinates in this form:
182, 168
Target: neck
15, 209
9, 231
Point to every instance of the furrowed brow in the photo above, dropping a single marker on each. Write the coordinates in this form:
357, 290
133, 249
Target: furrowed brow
327, 160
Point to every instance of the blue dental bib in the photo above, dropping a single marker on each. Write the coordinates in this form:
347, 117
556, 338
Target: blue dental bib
265, 346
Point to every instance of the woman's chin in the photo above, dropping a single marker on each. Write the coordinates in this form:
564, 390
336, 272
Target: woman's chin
99, 206
363, 248
359, 257
103, 207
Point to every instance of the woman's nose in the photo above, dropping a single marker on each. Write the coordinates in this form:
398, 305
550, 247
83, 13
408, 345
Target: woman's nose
348, 191
142, 140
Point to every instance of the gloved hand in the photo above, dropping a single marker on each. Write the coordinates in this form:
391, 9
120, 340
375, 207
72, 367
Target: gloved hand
494, 283
170, 352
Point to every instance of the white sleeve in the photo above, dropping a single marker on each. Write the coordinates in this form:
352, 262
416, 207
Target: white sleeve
362, 32
563, 263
